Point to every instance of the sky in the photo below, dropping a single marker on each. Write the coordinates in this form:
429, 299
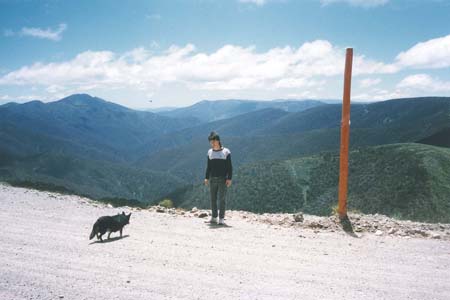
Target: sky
148, 54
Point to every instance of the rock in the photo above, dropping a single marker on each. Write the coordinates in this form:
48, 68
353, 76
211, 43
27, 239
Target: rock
435, 235
203, 214
298, 217
315, 224
401, 233
392, 230
194, 210
419, 231
160, 209
379, 233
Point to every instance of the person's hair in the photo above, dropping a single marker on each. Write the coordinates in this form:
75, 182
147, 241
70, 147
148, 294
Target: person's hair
214, 136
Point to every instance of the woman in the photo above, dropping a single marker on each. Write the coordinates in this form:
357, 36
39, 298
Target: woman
218, 175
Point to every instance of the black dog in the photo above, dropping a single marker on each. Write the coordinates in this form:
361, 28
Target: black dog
111, 224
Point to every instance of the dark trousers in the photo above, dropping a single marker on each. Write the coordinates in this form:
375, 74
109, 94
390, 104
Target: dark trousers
218, 189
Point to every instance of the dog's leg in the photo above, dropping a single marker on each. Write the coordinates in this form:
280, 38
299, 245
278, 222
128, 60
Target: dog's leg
120, 232
101, 238
109, 234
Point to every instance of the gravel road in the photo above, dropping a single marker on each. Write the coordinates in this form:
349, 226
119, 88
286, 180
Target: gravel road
45, 253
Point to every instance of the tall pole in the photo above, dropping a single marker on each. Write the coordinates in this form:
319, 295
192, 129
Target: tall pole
345, 135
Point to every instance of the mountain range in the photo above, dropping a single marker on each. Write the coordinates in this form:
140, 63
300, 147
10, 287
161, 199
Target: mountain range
87, 145
208, 111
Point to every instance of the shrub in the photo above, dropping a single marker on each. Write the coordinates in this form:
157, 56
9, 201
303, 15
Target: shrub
167, 203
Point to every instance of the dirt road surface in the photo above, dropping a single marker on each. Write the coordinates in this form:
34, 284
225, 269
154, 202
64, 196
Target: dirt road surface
45, 253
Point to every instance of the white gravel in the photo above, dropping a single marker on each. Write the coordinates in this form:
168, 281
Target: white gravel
45, 254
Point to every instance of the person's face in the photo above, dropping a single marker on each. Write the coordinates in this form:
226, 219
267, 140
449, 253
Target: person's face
214, 143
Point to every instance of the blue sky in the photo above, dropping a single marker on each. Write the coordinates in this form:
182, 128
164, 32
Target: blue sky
176, 53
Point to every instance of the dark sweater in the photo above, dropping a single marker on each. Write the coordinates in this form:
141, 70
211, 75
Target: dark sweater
219, 164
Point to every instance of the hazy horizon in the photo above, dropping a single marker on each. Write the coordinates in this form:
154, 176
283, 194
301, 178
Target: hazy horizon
156, 108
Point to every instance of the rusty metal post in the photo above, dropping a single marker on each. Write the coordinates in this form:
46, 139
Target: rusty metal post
345, 135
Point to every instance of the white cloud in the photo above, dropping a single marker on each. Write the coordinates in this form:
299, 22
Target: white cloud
306, 94
434, 53
229, 68
54, 35
424, 82
136, 55
297, 83
369, 82
8, 98
377, 94
411, 86
359, 3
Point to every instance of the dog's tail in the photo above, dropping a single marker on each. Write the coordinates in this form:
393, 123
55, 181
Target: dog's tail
94, 231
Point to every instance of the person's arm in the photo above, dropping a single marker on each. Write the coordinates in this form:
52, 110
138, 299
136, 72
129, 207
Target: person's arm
208, 170
229, 167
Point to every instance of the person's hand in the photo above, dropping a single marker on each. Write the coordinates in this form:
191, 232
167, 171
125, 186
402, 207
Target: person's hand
228, 182
206, 181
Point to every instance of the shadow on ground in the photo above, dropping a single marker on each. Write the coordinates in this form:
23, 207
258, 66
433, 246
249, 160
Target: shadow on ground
105, 240
216, 226
347, 226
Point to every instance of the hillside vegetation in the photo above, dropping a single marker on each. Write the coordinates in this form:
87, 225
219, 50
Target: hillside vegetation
93, 178
408, 181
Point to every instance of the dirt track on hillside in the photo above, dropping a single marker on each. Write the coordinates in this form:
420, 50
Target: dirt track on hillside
45, 254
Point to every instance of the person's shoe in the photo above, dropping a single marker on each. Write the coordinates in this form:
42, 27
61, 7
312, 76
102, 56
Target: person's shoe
221, 221
213, 220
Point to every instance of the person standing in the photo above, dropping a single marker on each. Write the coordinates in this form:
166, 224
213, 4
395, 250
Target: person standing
218, 175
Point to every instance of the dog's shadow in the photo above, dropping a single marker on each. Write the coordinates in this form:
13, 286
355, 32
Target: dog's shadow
106, 240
